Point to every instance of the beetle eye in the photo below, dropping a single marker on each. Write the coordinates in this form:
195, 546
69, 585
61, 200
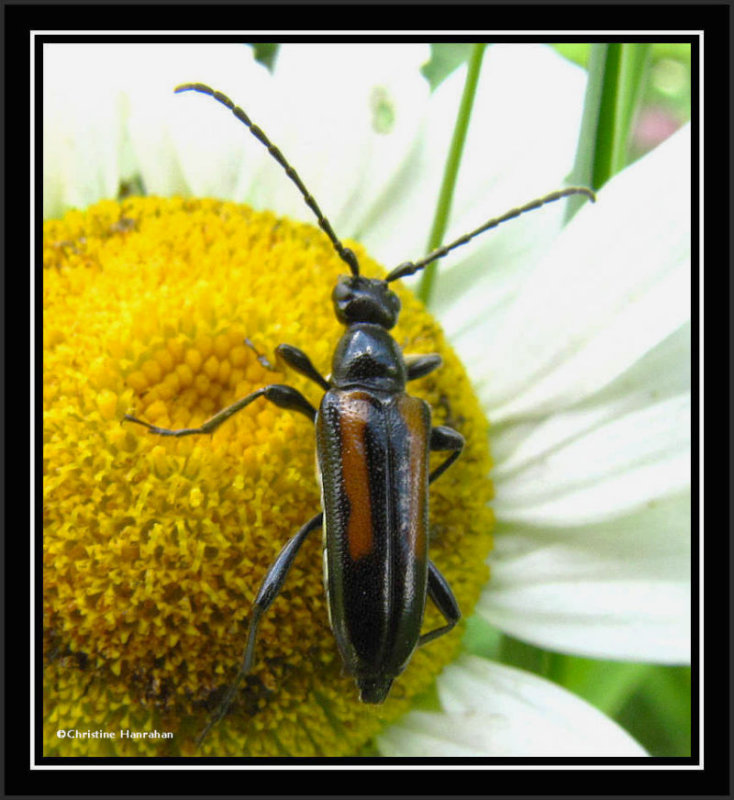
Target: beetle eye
341, 292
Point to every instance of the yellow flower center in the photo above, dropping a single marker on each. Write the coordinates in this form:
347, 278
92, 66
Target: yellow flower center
154, 548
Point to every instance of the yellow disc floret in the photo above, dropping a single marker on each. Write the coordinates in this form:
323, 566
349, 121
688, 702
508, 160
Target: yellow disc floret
154, 548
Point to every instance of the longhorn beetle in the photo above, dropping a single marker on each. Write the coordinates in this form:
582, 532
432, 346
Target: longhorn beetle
373, 442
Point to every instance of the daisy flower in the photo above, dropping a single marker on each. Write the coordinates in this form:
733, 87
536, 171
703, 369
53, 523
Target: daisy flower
575, 340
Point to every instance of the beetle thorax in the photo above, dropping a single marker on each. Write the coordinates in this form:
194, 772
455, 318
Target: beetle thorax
367, 356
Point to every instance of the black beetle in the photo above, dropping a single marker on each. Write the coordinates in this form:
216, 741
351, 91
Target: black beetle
373, 442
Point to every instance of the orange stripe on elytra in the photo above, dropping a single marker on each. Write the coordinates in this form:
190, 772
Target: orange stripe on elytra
353, 424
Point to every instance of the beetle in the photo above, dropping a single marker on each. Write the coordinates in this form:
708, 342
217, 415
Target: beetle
373, 441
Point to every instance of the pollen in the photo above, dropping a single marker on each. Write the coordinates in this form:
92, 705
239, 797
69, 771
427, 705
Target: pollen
154, 547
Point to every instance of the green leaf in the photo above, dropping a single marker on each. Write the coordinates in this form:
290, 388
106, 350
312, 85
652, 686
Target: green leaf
445, 58
577, 52
266, 53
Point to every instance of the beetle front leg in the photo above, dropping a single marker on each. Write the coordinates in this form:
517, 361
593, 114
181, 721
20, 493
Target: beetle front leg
443, 598
269, 590
421, 365
279, 394
443, 438
296, 359
300, 362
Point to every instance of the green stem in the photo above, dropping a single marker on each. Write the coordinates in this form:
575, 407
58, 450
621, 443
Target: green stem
616, 74
451, 170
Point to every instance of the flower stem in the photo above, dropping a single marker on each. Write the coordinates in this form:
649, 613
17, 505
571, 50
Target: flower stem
616, 75
451, 169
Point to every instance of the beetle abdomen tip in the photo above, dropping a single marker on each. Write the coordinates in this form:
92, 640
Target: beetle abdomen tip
374, 690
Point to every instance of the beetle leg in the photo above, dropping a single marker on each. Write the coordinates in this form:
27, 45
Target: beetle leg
418, 366
269, 590
279, 394
300, 362
440, 592
263, 359
443, 438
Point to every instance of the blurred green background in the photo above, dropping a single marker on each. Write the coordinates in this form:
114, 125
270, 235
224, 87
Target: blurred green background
638, 95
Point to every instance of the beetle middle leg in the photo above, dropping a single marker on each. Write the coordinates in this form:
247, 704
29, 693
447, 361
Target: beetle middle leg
443, 438
443, 598
277, 393
420, 365
269, 590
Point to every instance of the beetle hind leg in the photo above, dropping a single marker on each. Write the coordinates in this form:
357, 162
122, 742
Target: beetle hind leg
269, 590
440, 592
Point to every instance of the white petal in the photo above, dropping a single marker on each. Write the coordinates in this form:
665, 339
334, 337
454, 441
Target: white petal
615, 284
618, 589
82, 126
528, 112
615, 467
593, 504
398, 230
110, 113
497, 711
521, 88
662, 374
188, 143
349, 115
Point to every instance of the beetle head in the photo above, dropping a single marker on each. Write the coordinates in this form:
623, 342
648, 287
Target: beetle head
359, 299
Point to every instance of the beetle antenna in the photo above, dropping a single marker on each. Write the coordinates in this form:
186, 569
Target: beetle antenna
410, 267
346, 255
